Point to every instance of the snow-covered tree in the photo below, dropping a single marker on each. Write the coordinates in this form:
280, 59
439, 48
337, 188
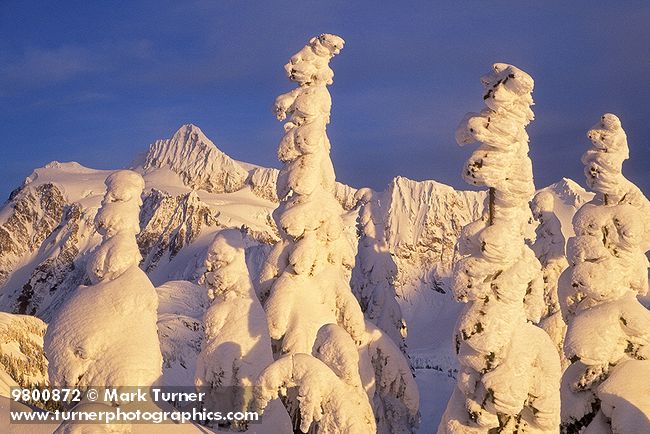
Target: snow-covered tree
509, 370
105, 335
237, 343
330, 390
375, 271
338, 387
87, 342
305, 278
549, 249
304, 273
608, 337
389, 382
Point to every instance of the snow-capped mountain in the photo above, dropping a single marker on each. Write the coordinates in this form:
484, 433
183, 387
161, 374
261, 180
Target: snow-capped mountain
192, 191
197, 161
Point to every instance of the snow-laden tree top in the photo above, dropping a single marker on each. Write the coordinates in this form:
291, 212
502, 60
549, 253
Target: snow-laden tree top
121, 204
310, 65
237, 345
603, 169
226, 271
604, 161
305, 273
501, 162
105, 335
118, 220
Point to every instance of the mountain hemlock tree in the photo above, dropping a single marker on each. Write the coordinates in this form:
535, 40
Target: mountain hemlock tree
237, 344
549, 248
305, 278
607, 386
375, 271
509, 370
106, 334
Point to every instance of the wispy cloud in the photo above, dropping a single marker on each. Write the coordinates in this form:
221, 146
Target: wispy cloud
73, 99
39, 66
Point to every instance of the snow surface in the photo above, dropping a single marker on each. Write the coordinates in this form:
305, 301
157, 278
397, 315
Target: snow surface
181, 306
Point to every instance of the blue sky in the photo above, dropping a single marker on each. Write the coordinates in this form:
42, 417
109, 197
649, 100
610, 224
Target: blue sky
96, 82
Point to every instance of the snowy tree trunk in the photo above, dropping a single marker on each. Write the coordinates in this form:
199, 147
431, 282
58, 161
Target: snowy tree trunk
509, 371
491, 194
305, 279
608, 337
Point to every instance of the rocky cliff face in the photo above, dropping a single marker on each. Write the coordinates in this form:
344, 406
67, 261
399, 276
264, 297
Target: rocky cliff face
423, 220
170, 223
59, 269
29, 217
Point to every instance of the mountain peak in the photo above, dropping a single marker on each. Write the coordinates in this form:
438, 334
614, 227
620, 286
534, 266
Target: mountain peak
570, 192
192, 132
200, 164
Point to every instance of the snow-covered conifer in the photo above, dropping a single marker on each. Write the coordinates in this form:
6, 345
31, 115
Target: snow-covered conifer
509, 371
106, 335
305, 278
608, 337
332, 396
305, 271
389, 382
237, 343
549, 249
372, 278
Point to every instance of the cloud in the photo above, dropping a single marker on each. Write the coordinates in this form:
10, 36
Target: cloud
39, 67
78, 98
